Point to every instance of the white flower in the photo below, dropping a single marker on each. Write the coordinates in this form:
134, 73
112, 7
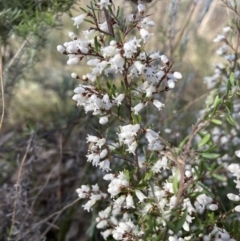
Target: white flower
145, 35
129, 202
140, 196
132, 147
103, 26
233, 197
139, 66
155, 55
146, 23
237, 153
141, 8
74, 76
106, 233
73, 61
158, 104
103, 153
119, 99
237, 208
219, 38
117, 63
177, 75
103, 4
108, 177
137, 108
119, 202
79, 19
60, 49
146, 209
164, 59
212, 207
161, 163
105, 165
88, 205
103, 120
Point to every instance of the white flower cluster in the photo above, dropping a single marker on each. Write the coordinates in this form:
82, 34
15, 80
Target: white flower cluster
224, 51
128, 135
145, 189
96, 155
93, 194
234, 168
93, 100
218, 234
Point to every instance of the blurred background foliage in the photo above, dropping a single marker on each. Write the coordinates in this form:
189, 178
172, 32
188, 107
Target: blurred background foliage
44, 132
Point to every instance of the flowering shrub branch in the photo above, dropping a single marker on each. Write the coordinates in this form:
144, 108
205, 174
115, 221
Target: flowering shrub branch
155, 191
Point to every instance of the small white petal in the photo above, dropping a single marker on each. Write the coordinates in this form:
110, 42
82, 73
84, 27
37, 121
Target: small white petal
233, 197
237, 208
237, 153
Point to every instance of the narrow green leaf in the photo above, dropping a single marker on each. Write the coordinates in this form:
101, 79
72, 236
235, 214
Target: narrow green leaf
232, 79
230, 120
205, 140
210, 155
84, 10
217, 122
181, 221
183, 142
175, 183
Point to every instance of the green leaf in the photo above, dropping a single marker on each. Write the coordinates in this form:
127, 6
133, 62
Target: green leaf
135, 118
211, 218
219, 177
96, 43
210, 155
217, 122
148, 176
175, 183
126, 172
183, 142
205, 140
232, 79
230, 120
84, 10
181, 221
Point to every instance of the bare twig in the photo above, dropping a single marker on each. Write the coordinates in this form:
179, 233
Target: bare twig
2, 89
17, 185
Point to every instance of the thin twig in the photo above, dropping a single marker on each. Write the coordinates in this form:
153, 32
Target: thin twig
17, 185
50, 216
2, 89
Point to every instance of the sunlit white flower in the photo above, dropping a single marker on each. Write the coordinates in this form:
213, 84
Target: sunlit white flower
60, 49
137, 108
73, 61
105, 165
141, 8
146, 23
233, 197
219, 38
79, 19
140, 195
87, 206
103, 120
158, 104
164, 59
129, 202
117, 63
106, 233
237, 153
104, 26
237, 208
145, 35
